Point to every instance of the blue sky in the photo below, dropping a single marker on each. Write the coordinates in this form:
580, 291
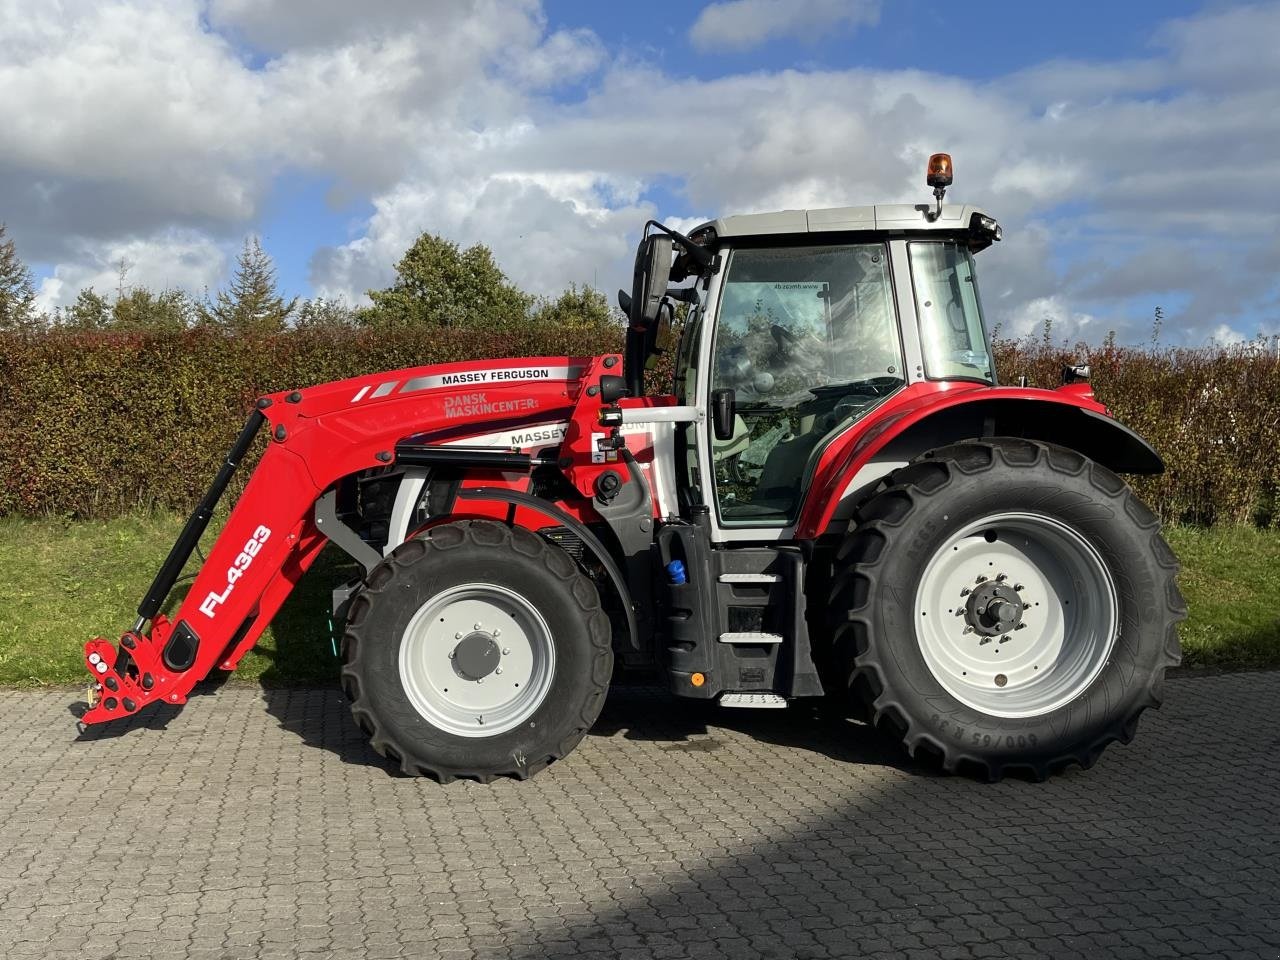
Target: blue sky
1119, 143
975, 40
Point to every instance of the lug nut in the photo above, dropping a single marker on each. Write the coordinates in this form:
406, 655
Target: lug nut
506, 651
477, 626
965, 591
1001, 578
1017, 586
497, 632
497, 669
457, 636
981, 578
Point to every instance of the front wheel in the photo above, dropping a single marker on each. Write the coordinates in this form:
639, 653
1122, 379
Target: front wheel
1006, 605
476, 650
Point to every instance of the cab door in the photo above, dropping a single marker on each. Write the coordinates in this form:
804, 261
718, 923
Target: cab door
806, 338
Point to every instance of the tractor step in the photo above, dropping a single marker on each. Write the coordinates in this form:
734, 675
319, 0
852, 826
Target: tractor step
751, 637
758, 701
750, 578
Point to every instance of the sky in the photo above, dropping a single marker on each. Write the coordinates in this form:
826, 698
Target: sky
1124, 146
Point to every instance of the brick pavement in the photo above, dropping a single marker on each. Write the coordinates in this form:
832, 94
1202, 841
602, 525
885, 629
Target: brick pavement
257, 824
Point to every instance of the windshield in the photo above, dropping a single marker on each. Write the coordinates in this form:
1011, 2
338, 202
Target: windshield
951, 331
797, 318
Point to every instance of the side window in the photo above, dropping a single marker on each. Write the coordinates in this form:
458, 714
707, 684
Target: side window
807, 339
951, 330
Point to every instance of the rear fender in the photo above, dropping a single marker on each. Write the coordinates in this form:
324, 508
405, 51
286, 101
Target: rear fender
1062, 417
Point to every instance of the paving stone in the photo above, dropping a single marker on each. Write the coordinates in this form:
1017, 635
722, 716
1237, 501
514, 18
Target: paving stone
257, 824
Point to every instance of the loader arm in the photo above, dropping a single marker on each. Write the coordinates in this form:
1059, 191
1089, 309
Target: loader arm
271, 537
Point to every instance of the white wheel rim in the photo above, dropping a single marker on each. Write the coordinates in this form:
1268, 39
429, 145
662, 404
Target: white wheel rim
445, 635
1065, 630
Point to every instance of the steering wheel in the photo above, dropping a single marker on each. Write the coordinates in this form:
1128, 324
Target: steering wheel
876, 386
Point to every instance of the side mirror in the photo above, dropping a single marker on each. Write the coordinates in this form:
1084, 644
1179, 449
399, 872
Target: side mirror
722, 413
649, 281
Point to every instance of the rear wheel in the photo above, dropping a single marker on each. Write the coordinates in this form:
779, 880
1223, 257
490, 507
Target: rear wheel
1006, 605
476, 650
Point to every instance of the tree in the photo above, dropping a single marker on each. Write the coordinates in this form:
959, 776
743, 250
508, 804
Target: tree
134, 310
576, 307
139, 310
91, 311
324, 313
439, 284
251, 303
17, 292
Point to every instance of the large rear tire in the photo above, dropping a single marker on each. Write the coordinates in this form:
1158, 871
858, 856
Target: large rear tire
1005, 605
476, 650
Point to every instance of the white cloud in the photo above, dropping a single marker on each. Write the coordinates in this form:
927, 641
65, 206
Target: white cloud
171, 259
1051, 317
184, 131
744, 24
1226, 336
1116, 182
546, 230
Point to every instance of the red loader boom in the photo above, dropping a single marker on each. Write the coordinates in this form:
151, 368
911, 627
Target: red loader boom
276, 529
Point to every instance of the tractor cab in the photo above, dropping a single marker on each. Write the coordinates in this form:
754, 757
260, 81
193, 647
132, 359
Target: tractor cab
799, 324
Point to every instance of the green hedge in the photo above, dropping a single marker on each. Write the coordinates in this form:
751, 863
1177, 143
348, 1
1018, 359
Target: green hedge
95, 424
1212, 413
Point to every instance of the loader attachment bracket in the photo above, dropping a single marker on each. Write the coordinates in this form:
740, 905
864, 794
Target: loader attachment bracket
131, 676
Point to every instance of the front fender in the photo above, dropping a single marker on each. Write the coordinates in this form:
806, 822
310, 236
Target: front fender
924, 419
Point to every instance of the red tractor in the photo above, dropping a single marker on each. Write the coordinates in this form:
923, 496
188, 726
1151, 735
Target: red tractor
835, 498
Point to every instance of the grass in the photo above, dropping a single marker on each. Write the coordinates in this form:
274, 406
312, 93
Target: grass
1231, 580
65, 582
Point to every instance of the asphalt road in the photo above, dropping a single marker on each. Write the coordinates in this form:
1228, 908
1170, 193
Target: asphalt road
258, 824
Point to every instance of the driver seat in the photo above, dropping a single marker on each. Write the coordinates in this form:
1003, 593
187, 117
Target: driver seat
784, 467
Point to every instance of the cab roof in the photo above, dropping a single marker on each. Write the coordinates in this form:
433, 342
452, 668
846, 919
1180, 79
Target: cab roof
892, 217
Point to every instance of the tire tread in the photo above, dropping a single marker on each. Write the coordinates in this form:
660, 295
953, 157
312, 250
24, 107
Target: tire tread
491, 535
861, 559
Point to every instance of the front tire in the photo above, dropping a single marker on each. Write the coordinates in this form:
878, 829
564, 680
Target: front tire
1006, 605
476, 650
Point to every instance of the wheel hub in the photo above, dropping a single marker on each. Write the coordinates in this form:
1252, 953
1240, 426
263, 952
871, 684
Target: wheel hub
476, 656
993, 609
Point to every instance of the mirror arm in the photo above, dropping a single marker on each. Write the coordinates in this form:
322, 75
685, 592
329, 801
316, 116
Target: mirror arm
699, 254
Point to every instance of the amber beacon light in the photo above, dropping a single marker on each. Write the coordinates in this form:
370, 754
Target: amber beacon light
938, 175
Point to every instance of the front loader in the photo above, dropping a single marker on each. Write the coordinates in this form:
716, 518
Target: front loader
834, 499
